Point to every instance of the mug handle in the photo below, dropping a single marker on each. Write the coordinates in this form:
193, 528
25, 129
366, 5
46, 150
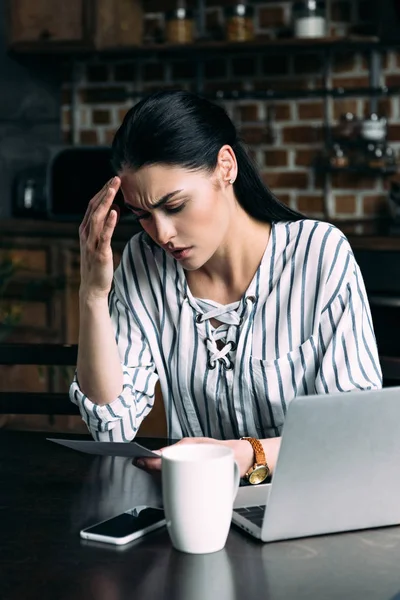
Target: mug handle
236, 478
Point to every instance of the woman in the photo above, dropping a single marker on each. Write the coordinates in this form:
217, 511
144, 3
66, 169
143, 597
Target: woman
235, 302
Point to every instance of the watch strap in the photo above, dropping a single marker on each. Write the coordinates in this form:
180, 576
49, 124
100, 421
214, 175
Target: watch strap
259, 454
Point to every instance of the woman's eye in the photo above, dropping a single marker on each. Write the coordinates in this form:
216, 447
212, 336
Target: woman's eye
168, 209
174, 209
135, 214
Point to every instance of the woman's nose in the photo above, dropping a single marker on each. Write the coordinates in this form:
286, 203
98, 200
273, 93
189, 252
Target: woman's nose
164, 231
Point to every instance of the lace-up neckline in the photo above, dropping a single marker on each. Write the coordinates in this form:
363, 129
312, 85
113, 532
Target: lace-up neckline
231, 316
228, 315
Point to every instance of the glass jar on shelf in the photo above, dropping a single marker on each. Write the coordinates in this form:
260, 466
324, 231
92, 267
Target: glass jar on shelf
390, 157
348, 127
338, 158
309, 19
179, 26
374, 128
239, 23
375, 156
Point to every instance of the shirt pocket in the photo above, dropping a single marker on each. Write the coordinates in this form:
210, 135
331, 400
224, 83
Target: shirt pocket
275, 383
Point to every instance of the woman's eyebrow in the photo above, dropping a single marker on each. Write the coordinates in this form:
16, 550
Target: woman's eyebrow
160, 202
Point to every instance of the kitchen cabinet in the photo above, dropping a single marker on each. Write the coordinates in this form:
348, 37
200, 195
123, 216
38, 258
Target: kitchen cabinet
74, 25
42, 293
48, 21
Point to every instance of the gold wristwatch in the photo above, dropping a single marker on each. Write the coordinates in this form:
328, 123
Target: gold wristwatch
260, 470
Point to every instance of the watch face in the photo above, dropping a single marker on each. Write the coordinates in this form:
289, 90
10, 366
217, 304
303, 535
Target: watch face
259, 474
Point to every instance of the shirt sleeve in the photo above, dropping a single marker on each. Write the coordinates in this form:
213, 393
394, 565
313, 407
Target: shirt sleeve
347, 346
120, 420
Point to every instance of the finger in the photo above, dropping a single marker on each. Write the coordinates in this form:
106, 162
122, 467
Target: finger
117, 210
114, 184
103, 205
148, 464
85, 225
108, 230
93, 202
99, 217
99, 199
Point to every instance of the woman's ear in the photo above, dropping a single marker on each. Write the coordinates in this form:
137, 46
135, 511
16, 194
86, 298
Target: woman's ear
227, 165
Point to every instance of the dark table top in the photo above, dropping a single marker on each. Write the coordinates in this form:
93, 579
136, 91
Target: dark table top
48, 493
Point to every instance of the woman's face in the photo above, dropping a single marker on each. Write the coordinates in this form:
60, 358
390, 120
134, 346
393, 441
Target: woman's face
185, 212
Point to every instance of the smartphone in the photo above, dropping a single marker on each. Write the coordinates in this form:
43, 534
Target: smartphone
126, 527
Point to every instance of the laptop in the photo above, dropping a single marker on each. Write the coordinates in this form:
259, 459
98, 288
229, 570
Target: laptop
338, 468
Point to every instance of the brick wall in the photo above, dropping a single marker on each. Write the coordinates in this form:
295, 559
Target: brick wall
283, 136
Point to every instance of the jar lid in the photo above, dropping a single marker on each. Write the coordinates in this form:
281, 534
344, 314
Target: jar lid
338, 150
309, 5
375, 117
239, 10
179, 13
348, 117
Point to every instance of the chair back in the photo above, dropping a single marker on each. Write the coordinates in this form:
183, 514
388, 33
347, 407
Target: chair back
390, 370
37, 403
52, 403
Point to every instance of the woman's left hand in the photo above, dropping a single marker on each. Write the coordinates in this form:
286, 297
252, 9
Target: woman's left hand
242, 450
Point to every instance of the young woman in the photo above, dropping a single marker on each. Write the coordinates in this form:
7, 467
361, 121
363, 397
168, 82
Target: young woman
235, 302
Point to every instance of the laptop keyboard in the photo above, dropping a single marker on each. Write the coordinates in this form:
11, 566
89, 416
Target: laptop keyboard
255, 514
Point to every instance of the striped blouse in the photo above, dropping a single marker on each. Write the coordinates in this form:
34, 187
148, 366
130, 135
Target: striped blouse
302, 327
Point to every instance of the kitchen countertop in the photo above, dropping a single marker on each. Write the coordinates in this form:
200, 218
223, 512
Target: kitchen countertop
16, 227
371, 237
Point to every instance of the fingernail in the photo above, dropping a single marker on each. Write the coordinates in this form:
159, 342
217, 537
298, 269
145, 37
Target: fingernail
112, 180
140, 462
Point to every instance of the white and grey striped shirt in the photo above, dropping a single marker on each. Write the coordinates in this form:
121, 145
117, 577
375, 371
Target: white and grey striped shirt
302, 327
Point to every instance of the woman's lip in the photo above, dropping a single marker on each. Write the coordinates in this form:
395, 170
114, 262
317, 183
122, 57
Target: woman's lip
181, 253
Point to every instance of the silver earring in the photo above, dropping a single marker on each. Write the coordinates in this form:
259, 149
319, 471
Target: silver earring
231, 181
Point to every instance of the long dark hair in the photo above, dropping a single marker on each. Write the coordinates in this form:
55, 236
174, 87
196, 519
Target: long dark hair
180, 128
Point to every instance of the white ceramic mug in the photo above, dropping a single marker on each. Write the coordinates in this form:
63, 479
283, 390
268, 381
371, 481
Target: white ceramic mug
199, 485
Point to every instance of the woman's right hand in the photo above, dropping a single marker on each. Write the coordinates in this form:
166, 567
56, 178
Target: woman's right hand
95, 233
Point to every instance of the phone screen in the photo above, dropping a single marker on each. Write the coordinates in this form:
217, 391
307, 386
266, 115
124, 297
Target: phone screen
125, 524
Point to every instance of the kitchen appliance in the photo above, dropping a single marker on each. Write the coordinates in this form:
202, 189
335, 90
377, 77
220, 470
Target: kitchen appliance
29, 193
62, 189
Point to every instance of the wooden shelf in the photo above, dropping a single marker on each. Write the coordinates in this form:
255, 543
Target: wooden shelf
371, 171
283, 45
32, 228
